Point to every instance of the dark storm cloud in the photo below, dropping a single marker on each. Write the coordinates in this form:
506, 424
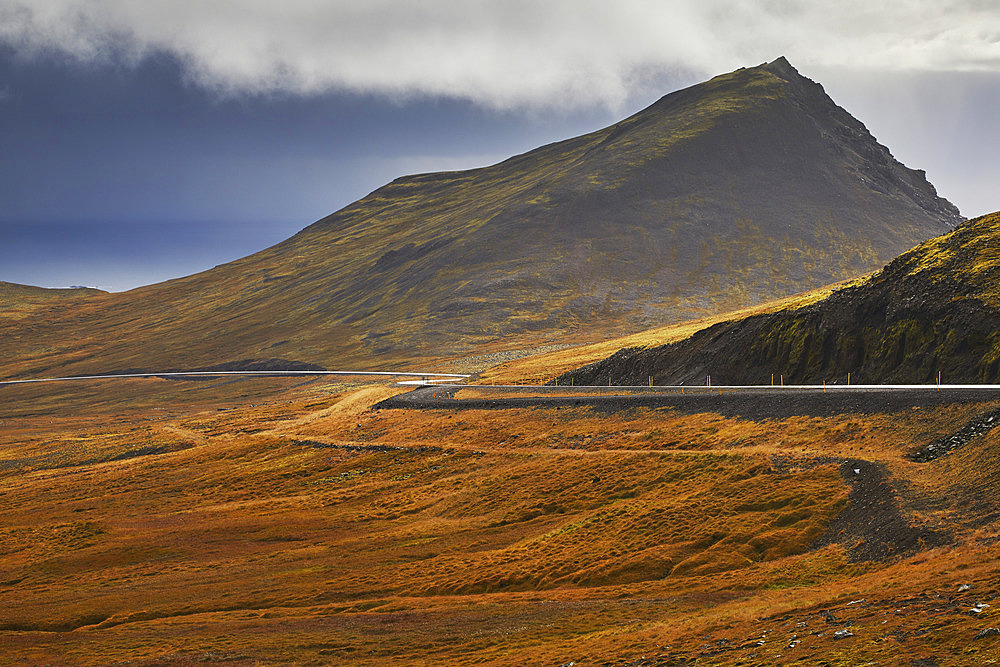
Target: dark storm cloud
143, 139
501, 53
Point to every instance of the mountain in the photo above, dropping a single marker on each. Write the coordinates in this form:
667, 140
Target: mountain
933, 309
747, 187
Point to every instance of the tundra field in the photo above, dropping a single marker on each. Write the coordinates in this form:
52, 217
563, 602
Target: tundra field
284, 520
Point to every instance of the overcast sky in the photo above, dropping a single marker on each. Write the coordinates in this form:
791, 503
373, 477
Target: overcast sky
145, 139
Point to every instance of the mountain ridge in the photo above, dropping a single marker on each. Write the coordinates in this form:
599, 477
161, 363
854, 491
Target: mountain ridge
748, 187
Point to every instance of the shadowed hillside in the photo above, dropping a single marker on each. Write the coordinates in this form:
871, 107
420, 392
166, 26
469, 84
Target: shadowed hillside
747, 187
933, 309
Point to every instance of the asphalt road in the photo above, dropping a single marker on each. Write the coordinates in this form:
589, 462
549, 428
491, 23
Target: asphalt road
440, 391
424, 378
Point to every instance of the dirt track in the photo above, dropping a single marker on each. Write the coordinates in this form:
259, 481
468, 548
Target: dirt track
873, 526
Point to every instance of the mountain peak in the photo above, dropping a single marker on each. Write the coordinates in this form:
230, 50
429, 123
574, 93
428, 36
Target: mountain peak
782, 68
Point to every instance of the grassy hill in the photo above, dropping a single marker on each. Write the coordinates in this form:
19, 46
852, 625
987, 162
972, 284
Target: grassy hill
934, 309
20, 301
748, 187
14, 295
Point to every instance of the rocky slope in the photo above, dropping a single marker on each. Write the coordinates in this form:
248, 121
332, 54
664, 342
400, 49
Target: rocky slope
747, 187
933, 309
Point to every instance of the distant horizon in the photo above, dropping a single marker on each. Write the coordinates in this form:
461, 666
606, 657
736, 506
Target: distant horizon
152, 252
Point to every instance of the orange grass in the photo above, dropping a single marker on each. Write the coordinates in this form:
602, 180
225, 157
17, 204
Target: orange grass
171, 521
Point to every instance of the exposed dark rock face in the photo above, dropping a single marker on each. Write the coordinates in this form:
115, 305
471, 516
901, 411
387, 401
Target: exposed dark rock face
934, 309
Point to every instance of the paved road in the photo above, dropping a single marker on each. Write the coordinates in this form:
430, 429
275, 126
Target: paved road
438, 390
424, 378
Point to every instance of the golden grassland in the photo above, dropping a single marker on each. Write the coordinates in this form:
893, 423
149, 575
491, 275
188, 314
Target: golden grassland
284, 521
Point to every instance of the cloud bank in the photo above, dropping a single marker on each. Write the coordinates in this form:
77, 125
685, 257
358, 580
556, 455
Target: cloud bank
499, 53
